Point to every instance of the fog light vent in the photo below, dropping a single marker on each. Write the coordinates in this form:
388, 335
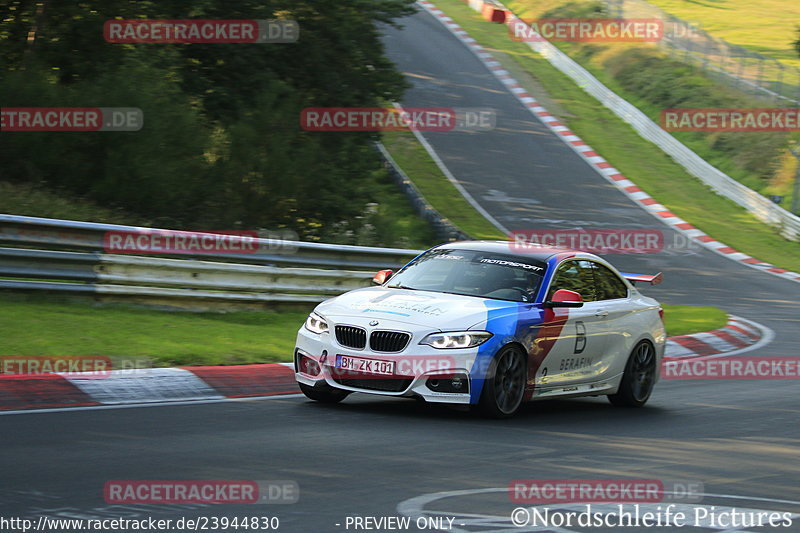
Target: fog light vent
454, 384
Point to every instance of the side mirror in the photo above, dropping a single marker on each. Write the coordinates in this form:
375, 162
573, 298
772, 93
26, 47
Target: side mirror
381, 277
565, 298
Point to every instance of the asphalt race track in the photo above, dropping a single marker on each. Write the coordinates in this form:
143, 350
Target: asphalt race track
526, 177
373, 457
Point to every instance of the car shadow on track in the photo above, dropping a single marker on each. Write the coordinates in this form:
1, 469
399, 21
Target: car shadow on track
544, 411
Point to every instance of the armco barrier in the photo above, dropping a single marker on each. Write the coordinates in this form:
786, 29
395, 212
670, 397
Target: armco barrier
444, 229
761, 207
185, 273
477, 5
289, 273
81, 236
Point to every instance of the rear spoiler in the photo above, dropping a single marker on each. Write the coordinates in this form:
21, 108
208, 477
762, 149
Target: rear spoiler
653, 280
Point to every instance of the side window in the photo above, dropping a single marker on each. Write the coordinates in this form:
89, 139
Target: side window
574, 276
608, 286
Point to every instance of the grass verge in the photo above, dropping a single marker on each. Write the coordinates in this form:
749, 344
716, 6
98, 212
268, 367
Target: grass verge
643, 162
415, 161
134, 336
765, 26
40, 326
686, 319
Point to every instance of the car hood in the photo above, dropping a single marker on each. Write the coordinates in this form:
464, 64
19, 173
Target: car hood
433, 310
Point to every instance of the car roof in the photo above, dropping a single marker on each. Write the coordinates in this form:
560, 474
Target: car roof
523, 251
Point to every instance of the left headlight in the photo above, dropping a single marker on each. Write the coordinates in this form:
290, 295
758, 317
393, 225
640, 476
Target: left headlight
316, 324
456, 339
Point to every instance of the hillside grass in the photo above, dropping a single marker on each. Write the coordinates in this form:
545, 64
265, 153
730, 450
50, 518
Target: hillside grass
137, 337
140, 338
643, 162
765, 26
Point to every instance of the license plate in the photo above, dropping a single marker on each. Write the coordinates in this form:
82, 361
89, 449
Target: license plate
367, 366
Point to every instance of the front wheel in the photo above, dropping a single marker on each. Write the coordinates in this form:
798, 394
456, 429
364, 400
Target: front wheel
638, 379
504, 385
323, 393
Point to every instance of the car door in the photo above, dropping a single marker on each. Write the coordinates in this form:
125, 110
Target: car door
614, 305
580, 341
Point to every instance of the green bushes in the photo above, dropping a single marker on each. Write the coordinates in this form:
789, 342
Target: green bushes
652, 80
221, 145
663, 83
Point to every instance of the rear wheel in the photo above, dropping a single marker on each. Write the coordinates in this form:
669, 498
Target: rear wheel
324, 393
504, 385
638, 379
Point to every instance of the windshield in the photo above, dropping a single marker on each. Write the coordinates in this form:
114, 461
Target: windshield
470, 273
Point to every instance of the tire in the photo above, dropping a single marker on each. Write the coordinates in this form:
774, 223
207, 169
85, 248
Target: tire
504, 385
323, 393
638, 379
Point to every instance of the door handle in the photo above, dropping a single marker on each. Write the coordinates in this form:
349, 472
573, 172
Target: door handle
601, 313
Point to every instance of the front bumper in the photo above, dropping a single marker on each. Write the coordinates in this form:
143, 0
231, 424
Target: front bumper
420, 370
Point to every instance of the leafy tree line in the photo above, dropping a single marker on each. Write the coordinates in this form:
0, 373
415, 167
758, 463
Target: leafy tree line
221, 145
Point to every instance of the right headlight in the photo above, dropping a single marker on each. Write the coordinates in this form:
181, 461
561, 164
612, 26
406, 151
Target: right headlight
456, 339
316, 324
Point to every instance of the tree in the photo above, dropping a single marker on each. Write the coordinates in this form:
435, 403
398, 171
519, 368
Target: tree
221, 143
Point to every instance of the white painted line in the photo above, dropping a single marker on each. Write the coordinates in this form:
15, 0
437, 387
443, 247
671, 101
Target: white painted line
673, 349
416, 507
738, 334
149, 404
717, 343
446, 171
145, 385
767, 336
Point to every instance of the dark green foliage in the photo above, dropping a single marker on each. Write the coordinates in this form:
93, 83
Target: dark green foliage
222, 144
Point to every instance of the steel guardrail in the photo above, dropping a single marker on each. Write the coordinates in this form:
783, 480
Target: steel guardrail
288, 271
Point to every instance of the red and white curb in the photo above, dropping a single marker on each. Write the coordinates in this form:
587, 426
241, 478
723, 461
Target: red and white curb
737, 336
217, 383
146, 385
597, 162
